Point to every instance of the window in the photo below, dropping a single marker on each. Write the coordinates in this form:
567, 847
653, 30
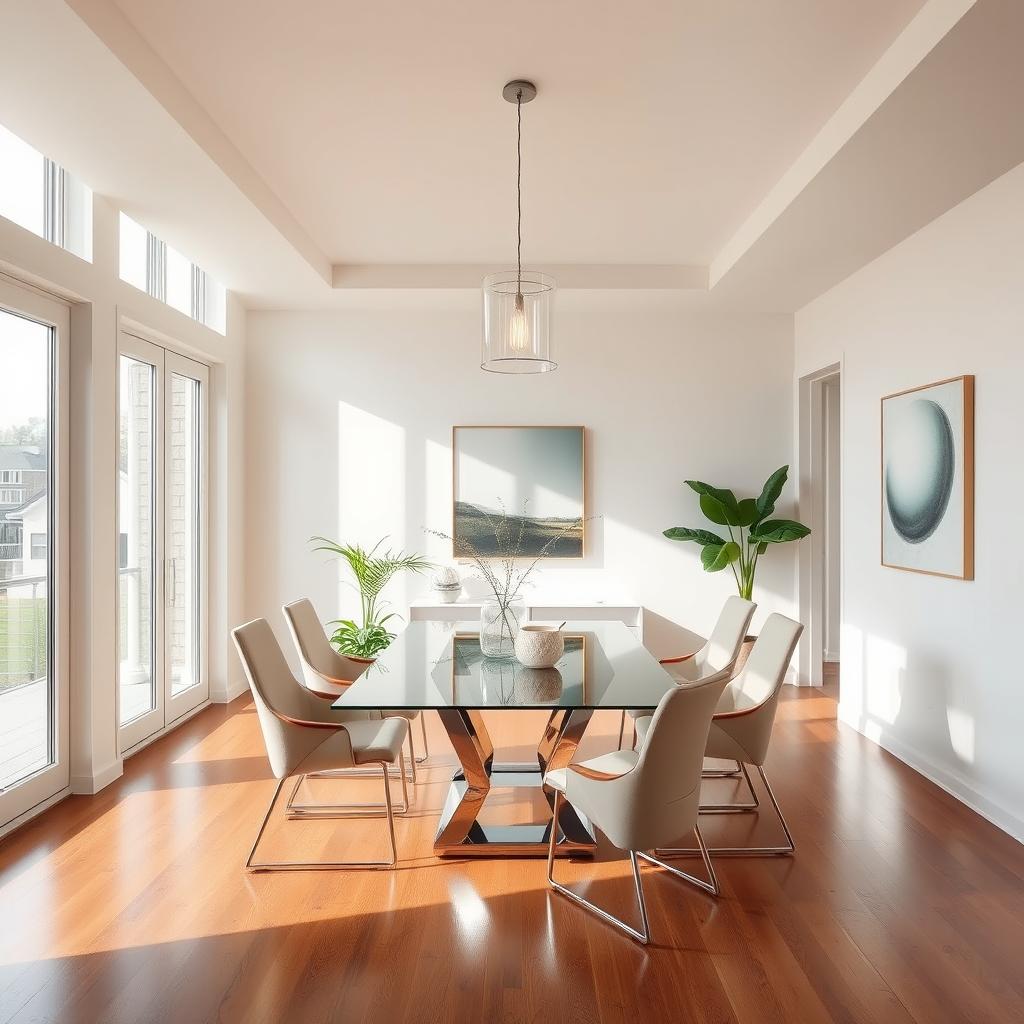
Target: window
154, 267
43, 197
10, 476
34, 694
11, 495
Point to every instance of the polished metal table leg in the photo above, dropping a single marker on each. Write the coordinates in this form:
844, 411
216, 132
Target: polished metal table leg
460, 832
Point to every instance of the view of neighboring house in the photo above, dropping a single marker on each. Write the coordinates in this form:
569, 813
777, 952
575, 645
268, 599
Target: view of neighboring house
22, 514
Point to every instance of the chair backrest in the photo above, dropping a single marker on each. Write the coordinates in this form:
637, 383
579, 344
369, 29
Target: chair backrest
665, 786
723, 645
320, 661
275, 689
748, 705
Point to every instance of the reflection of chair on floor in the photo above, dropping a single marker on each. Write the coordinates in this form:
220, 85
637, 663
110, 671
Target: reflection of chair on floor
741, 729
303, 737
328, 674
644, 798
720, 651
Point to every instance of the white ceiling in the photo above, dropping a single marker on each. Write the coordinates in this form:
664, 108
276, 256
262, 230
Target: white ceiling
659, 126
727, 153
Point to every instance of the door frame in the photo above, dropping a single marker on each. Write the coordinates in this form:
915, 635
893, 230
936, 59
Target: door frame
185, 703
44, 785
170, 710
811, 555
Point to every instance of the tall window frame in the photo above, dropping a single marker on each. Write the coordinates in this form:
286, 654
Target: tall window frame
53, 780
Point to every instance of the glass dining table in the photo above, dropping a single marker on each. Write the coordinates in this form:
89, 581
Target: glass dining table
438, 666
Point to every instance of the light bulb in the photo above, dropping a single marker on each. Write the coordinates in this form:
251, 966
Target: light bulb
519, 327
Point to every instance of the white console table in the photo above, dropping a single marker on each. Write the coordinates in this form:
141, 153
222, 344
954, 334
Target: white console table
542, 606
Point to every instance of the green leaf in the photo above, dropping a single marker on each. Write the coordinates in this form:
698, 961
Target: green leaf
700, 536
770, 493
747, 512
778, 531
717, 503
715, 557
762, 548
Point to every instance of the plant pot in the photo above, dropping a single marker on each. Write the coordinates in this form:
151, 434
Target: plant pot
745, 648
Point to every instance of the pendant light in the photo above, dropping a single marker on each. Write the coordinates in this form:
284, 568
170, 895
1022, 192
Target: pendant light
518, 303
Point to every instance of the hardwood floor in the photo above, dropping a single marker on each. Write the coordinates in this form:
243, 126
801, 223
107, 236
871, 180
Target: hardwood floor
900, 905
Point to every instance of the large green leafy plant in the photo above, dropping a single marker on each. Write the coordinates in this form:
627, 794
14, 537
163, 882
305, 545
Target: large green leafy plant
373, 571
750, 529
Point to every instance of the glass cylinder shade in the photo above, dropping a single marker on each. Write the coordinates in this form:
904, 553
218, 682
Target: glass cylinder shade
517, 322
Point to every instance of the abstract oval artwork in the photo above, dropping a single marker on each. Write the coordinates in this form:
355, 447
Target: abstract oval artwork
919, 469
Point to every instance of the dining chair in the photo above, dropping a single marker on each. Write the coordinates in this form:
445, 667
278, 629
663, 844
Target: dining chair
328, 674
741, 728
639, 798
303, 736
720, 651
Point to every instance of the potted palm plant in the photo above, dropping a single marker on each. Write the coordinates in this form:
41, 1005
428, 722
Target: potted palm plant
372, 570
751, 532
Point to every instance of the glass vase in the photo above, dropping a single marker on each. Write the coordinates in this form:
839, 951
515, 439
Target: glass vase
499, 625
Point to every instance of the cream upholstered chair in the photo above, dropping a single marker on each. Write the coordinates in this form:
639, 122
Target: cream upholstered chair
328, 674
639, 798
720, 651
741, 729
304, 736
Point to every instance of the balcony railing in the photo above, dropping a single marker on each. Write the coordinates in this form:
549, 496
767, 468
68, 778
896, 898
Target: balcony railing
23, 624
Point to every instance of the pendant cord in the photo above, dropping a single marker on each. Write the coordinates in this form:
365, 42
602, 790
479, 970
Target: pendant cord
519, 191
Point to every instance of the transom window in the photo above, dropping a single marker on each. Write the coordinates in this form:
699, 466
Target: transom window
151, 265
44, 198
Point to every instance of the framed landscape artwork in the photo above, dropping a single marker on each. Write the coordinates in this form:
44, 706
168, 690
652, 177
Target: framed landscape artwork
928, 479
534, 474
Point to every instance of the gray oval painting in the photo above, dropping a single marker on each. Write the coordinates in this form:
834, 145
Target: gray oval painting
919, 469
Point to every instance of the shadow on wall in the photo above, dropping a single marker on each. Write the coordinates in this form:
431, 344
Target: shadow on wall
906, 703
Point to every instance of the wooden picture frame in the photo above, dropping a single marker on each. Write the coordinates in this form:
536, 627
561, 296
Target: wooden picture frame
927, 479
568, 498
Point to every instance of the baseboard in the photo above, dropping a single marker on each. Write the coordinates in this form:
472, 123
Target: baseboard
234, 690
87, 785
954, 784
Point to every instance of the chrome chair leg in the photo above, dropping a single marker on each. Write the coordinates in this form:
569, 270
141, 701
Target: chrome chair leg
295, 810
747, 851
412, 756
710, 886
423, 730
643, 936
722, 773
733, 808
318, 865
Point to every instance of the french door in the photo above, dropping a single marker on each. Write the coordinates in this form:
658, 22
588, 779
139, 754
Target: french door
34, 686
162, 538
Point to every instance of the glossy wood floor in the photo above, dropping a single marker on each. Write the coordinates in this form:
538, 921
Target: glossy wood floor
900, 905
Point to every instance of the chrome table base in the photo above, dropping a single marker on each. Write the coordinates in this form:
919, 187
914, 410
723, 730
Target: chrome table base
460, 833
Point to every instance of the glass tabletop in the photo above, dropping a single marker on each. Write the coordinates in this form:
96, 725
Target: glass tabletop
438, 665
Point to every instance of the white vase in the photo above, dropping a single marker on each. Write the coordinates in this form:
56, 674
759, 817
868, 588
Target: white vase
539, 646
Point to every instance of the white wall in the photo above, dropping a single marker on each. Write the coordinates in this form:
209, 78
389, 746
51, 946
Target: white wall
350, 417
930, 666
98, 302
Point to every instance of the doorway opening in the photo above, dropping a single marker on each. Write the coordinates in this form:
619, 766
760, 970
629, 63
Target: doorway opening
820, 559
